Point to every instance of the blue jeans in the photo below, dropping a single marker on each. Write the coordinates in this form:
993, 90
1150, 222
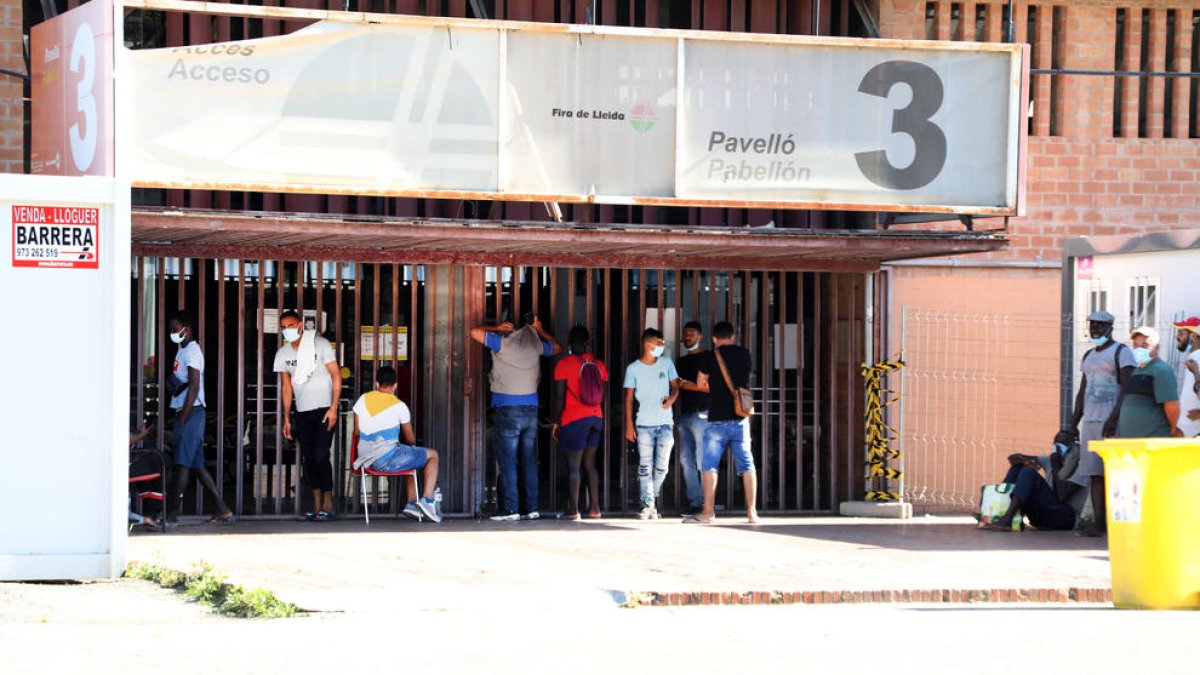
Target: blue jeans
654, 459
691, 449
514, 432
732, 433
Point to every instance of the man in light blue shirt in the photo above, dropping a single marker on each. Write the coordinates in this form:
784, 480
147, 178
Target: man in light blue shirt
653, 381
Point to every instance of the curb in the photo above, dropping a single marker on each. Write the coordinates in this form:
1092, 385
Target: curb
935, 596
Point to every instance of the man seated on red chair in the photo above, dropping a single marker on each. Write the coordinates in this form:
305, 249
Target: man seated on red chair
379, 419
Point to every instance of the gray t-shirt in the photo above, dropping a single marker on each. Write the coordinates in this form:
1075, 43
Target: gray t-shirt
1100, 368
317, 392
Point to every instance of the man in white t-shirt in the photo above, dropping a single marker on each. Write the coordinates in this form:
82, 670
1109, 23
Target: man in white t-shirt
310, 377
1187, 340
379, 420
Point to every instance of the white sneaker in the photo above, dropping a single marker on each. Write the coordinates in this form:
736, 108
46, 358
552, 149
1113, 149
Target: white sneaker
646, 513
532, 515
506, 516
428, 508
412, 511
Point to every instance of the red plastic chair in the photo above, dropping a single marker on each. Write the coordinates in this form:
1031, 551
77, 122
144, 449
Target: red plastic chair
146, 476
365, 471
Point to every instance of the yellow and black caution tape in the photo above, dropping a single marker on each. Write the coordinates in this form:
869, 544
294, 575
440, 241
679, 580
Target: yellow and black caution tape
879, 434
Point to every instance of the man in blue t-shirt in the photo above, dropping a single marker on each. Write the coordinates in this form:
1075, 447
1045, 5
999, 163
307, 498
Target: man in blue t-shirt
516, 371
651, 380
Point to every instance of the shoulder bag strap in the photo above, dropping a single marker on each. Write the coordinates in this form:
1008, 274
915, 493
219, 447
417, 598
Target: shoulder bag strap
724, 373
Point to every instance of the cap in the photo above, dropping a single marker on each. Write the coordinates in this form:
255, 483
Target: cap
1150, 333
1192, 323
1102, 316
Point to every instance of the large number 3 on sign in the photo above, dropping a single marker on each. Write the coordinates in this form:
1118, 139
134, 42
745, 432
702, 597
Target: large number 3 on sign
930, 154
83, 62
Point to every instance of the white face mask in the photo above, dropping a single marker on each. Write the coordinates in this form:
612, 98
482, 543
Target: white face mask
693, 348
291, 334
1142, 356
177, 338
657, 351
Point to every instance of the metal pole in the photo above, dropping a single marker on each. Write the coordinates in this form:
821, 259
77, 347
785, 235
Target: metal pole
868, 346
900, 403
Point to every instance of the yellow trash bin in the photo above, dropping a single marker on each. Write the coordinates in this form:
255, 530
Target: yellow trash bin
1153, 494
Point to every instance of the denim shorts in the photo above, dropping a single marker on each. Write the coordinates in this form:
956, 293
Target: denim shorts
581, 434
401, 458
732, 433
188, 440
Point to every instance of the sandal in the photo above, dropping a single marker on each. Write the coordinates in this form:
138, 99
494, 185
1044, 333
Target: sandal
310, 516
325, 517
226, 518
593, 516
568, 516
700, 520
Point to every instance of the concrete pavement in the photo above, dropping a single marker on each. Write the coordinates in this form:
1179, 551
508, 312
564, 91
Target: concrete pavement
347, 566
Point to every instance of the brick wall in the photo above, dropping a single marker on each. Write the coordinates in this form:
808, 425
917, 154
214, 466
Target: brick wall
1089, 173
12, 112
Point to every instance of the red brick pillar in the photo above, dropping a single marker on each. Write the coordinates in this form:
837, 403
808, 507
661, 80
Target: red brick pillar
1183, 55
12, 109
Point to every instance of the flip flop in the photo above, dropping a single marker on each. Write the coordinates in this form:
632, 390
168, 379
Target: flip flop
568, 516
325, 516
227, 518
699, 520
593, 516
310, 516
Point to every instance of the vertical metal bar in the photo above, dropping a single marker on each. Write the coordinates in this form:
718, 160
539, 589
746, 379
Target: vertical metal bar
516, 294
140, 340
341, 486
868, 347
278, 467
376, 343
800, 391
219, 272
660, 275
677, 304
160, 355
200, 307
356, 366
609, 406
770, 373
900, 403
240, 466
819, 391
552, 405
834, 377
731, 316
260, 269
396, 269
624, 454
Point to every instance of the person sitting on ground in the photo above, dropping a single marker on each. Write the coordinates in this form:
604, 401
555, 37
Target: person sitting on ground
379, 419
1033, 496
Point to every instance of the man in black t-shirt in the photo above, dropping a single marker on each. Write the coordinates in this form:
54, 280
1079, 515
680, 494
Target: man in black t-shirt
693, 414
725, 428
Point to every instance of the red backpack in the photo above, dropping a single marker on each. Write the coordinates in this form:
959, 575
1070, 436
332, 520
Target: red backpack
591, 382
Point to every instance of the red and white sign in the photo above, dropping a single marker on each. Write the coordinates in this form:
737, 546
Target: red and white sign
1084, 267
71, 57
56, 237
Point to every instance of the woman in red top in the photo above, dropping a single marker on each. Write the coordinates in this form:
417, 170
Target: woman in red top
581, 419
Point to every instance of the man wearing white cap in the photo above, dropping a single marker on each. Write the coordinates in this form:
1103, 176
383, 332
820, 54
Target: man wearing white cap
1105, 368
1150, 407
1187, 340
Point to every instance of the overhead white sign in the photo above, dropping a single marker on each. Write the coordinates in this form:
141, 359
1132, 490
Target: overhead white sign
511, 111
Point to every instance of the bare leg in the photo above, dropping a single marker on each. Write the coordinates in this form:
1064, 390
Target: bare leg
574, 459
206, 480
411, 484
431, 472
709, 481
750, 487
316, 500
175, 499
593, 478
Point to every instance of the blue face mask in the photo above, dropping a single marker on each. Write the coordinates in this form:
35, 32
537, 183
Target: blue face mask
1060, 448
1099, 341
291, 334
657, 351
1141, 356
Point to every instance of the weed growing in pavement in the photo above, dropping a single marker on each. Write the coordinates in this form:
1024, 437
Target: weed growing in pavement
207, 586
